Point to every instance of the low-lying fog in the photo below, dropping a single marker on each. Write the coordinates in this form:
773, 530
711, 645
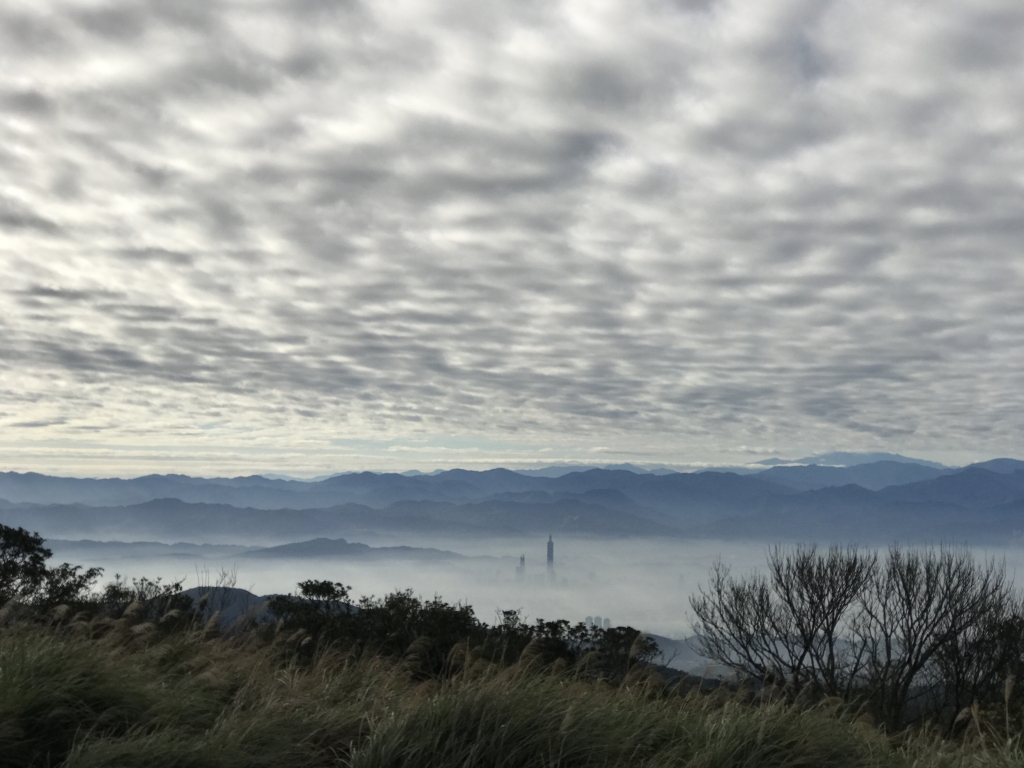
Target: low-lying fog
644, 583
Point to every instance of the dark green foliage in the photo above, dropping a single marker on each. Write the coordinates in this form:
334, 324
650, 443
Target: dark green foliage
52, 689
25, 577
153, 599
428, 631
188, 700
134, 678
31, 591
22, 563
609, 653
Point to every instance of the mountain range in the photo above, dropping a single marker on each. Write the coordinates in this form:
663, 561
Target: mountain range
300, 550
874, 501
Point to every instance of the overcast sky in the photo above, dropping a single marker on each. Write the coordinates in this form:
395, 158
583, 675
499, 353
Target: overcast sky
318, 235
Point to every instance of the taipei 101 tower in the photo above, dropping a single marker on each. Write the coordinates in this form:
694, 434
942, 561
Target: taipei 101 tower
551, 559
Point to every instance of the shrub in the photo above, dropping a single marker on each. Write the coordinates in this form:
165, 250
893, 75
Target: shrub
25, 577
188, 700
427, 632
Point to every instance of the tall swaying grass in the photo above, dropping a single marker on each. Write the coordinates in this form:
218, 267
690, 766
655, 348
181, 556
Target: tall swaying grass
120, 694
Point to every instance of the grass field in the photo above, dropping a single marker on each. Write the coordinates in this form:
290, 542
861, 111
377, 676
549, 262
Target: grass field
117, 693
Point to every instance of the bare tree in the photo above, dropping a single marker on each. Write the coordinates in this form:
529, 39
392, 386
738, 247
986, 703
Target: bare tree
820, 594
737, 623
982, 662
792, 626
912, 635
917, 606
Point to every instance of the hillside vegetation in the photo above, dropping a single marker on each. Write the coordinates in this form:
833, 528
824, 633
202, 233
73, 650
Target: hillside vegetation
136, 674
138, 696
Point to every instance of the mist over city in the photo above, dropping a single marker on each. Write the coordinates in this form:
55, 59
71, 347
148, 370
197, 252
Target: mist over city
627, 543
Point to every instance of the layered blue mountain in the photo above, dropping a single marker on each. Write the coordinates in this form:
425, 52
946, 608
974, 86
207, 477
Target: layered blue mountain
875, 501
667, 494
173, 519
873, 476
973, 505
846, 459
974, 487
340, 548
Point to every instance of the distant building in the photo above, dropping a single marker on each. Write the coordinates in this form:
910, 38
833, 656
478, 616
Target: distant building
521, 569
588, 621
551, 559
607, 623
597, 622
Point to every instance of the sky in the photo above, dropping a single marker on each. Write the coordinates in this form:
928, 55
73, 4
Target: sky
317, 235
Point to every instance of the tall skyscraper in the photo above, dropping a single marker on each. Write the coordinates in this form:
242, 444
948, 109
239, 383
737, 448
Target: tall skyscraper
551, 559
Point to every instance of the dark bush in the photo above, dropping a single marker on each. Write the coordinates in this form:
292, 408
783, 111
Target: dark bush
401, 624
26, 578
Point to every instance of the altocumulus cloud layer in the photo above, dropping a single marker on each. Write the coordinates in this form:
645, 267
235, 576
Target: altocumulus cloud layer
325, 235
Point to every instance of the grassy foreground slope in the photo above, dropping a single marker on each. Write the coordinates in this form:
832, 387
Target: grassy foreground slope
133, 695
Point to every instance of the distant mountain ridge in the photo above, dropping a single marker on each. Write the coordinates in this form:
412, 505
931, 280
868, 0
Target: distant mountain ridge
173, 519
375, 490
873, 476
312, 548
848, 459
876, 501
340, 548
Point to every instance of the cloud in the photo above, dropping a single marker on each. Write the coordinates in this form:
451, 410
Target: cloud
672, 228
